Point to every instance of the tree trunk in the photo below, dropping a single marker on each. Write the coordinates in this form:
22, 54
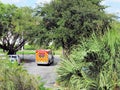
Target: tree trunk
117, 88
65, 50
11, 52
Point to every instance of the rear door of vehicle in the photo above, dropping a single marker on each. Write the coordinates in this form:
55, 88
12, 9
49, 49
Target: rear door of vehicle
41, 57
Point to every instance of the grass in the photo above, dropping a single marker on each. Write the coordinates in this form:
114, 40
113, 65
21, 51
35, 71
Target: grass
58, 52
1, 51
29, 49
26, 52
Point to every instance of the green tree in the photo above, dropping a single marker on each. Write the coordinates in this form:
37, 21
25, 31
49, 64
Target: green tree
94, 65
15, 23
66, 22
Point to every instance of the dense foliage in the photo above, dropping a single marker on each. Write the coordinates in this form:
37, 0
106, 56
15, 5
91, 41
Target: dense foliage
66, 22
94, 65
14, 77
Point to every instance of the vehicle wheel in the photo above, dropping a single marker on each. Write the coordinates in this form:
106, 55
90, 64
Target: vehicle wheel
52, 60
49, 63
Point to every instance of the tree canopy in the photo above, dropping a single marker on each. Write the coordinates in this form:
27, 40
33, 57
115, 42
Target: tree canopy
66, 22
15, 23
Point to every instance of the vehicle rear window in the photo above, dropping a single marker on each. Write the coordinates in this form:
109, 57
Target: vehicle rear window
14, 56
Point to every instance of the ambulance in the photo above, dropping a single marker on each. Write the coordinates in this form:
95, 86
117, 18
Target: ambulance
44, 56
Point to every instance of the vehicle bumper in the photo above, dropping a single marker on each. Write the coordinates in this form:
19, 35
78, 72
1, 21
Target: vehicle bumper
42, 62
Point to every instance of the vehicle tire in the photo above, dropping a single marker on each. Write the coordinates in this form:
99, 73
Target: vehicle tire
49, 63
52, 60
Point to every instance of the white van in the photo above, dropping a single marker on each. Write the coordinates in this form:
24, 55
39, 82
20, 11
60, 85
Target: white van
15, 58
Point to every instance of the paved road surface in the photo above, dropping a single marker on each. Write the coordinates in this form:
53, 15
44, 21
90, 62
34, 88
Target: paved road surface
47, 73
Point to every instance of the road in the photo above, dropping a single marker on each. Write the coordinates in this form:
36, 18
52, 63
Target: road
47, 73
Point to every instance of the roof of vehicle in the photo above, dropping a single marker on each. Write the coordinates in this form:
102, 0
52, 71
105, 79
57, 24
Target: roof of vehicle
43, 50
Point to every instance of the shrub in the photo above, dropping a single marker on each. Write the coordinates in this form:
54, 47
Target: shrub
94, 65
14, 77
